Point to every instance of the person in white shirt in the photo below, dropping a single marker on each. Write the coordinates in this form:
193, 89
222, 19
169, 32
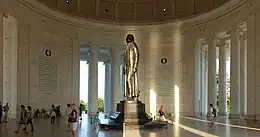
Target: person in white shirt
53, 114
6, 110
68, 119
212, 114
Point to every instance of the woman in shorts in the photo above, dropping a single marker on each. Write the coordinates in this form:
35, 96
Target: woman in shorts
74, 119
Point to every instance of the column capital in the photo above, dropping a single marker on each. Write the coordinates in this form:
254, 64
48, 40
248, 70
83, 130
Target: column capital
243, 35
211, 37
93, 49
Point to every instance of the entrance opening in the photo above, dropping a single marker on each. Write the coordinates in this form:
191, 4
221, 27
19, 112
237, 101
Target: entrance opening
84, 87
84, 67
10, 64
101, 86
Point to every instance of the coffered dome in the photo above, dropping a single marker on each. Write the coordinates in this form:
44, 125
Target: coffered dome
134, 11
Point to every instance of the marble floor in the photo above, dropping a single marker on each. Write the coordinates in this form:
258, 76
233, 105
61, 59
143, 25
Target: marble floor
182, 127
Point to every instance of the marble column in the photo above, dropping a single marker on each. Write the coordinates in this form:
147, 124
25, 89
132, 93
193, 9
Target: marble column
115, 75
212, 71
93, 80
251, 67
75, 70
1, 55
204, 84
197, 78
235, 74
243, 74
122, 98
222, 79
107, 99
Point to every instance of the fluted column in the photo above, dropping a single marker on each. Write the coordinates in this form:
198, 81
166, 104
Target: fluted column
222, 79
115, 75
212, 71
107, 90
243, 78
122, 97
1, 55
251, 67
235, 74
93, 80
204, 84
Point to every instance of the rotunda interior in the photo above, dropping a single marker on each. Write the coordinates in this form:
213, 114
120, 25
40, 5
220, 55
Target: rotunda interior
192, 54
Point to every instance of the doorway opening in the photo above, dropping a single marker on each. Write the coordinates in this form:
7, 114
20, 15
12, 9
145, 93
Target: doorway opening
84, 85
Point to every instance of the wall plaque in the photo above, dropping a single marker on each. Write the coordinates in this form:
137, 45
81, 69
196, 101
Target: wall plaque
47, 75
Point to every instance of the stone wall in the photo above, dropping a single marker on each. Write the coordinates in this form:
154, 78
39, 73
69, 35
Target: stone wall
40, 29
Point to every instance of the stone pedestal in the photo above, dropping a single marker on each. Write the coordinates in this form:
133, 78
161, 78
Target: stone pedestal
133, 112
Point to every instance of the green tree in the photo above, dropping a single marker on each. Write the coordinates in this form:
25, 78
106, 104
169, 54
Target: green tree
228, 94
227, 89
100, 105
84, 105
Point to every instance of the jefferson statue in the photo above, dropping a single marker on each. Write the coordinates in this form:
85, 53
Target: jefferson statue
131, 60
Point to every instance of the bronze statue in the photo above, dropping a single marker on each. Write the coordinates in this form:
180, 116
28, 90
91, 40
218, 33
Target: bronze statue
131, 60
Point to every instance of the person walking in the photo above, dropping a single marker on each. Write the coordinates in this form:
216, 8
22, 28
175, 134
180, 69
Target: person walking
74, 120
53, 114
68, 120
29, 121
6, 110
1, 112
23, 120
212, 114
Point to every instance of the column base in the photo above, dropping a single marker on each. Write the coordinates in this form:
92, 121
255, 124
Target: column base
234, 116
251, 117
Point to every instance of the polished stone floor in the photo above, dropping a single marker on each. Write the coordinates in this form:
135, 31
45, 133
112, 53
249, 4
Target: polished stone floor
182, 127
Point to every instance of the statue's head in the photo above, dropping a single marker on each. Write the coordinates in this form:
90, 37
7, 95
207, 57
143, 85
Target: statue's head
130, 38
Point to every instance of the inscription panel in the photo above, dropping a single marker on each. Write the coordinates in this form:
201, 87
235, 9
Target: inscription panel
47, 75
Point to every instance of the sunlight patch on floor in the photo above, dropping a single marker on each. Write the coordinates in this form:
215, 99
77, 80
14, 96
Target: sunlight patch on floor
223, 124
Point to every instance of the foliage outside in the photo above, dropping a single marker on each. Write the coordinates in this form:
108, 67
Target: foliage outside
100, 105
227, 89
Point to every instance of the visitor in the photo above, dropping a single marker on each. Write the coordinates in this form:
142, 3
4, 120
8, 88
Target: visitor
43, 113
68, 120
37, 114
6, 110
74, 119
80, 111
96, 121
29, 121
212, 114
58, 112
161, 113
23, 120
1, 112
53, 114
162, 116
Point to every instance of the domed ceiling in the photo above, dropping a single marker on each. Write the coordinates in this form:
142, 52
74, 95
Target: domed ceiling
134, 11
